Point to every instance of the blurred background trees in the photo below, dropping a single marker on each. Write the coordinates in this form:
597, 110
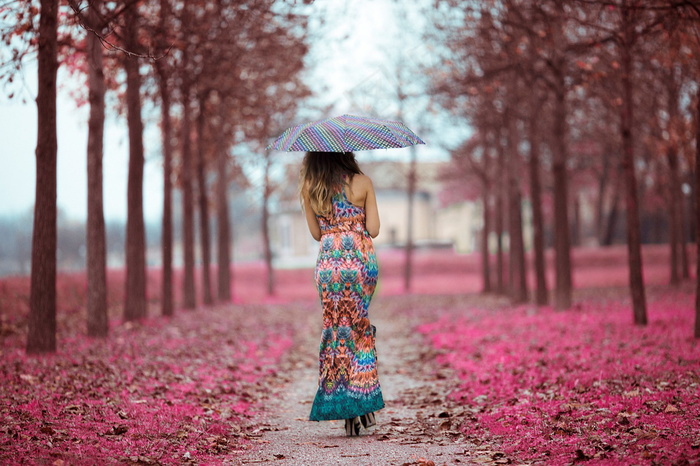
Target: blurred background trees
546, 110
595, 94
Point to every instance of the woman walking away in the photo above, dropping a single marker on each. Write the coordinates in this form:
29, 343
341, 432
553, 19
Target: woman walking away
341, 211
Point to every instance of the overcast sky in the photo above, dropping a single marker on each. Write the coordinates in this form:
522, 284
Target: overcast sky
351, 55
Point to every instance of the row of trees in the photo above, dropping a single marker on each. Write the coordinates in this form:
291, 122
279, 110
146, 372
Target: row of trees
600, 95
218, 71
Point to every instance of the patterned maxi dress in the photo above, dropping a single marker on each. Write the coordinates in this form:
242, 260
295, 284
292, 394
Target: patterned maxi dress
346, 275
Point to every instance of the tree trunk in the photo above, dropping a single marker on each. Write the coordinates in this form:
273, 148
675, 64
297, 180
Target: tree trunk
135, 302
541, 297
633, 227
97, 320
167, 308
562, 245
411, 193
611, 223
486, 198
600, 201
265, 226
685, 265
41, 336
576, 221
222, 216
500, 283
697, 213
518, 282
190, 301
674, 214
675, 198
203, 209
562, 237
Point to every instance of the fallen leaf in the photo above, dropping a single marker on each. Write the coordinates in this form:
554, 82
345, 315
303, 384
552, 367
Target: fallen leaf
671, 409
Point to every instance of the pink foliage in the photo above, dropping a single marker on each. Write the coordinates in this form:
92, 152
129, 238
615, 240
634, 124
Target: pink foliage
160, 391
583, 384
554, 387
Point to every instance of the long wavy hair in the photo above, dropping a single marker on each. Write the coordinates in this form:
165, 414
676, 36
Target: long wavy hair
322, 176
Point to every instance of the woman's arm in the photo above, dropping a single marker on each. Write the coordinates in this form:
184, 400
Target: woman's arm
371, 211
311, 219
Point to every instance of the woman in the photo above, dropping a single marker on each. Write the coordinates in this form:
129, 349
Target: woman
341, 211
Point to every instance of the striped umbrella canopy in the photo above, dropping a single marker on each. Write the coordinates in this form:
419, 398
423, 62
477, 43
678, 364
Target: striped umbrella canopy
346, 133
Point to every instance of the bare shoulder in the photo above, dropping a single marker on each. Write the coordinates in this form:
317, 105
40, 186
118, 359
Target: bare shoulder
363, 183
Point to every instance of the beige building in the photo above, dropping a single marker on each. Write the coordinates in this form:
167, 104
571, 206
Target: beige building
455, 225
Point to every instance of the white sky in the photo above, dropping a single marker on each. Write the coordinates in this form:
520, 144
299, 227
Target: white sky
366, 26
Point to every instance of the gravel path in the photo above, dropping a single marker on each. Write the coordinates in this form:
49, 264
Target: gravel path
415, 428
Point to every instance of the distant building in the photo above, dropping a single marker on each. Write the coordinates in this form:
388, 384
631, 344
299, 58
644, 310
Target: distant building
455, 226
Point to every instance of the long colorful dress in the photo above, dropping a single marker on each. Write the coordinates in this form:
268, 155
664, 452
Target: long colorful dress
346, 275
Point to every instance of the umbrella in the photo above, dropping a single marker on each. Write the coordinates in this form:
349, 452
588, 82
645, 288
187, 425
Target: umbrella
346, 133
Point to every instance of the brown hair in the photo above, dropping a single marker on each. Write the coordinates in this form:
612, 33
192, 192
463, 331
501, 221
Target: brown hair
322, 176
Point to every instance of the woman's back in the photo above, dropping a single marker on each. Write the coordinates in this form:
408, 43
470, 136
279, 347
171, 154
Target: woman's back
345, 214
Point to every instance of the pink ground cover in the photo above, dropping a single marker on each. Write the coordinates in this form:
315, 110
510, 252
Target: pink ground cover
166, 391
435, 272
578, 385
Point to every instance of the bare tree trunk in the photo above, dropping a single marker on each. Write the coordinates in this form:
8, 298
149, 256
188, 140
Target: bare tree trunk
697, 213
611, 223
41, 336
187, 203
633, 226
576, 221
411, 193
97, 320
674, 215
563, 288
486, 202
562, 245
675, 197
500, 283
518, 282
135, 302
222, 217
203, 209
685, 265
265, 226
600, 202
541, 297
166, 302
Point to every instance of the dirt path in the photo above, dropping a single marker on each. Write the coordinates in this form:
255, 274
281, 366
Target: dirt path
415, 428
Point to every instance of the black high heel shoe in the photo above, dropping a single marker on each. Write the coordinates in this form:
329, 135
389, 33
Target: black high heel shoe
352, 427
368, 420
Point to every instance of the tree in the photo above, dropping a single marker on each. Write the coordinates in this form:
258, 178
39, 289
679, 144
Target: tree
627, 39
474, 159
163, 71
135, 298
265, 227
204, 236
535, 106
41, 336
517, 269
97, 320
557, 64
487, 42
697, 212
188, 284
222, 215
